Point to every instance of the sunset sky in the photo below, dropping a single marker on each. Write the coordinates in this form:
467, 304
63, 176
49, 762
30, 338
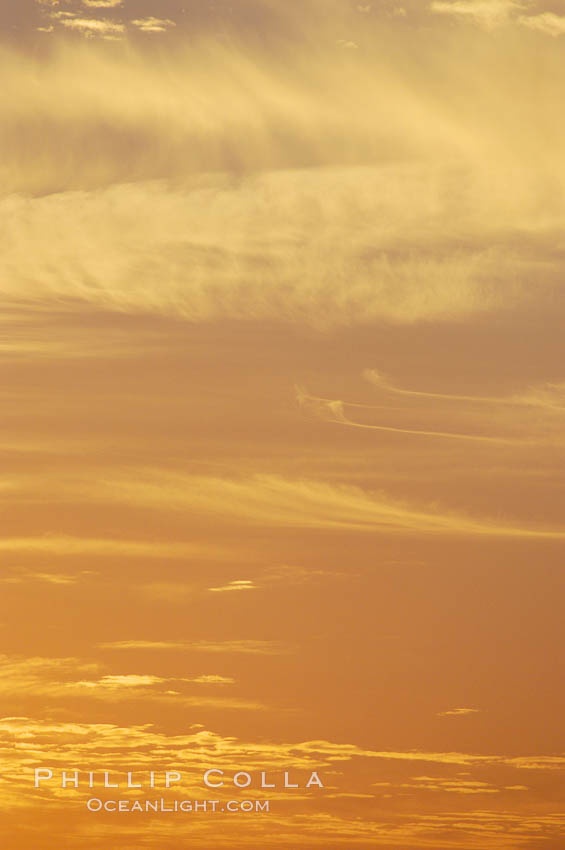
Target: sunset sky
283, 405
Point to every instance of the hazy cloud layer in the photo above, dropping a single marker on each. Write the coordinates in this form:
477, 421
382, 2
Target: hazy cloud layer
310, 248
202, 205
305, 217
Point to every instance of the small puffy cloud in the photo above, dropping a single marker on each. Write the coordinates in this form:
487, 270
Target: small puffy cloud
458, 712
548, 23
102, 4
93, 26
233, 585
152, 25
126, 681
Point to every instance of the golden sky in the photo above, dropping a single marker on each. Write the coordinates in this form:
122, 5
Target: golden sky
283, 403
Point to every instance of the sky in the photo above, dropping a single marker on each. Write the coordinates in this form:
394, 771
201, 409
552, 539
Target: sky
283, 399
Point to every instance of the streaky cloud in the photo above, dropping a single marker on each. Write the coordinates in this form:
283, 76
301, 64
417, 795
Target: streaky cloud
550, 395
333, 411
68, 545
244, 647
272, 500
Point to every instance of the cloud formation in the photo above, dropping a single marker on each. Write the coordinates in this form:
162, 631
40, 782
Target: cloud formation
64, 678
236, 585
67, 545
103, 4
333, 410
153, 25
457, 712
550, 396
210, 266
547, 22
527, 419
93, 26
487, 13
245, 647
27, 742
275, 501
262, 500
216, 183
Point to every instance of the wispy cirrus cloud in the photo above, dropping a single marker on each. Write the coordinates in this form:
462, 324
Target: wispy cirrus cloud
67, 545
244, 647
135, 680
334, 411
23, 576
145, 644
213, 679
482, 419
549, 396
271, 500
260, 500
